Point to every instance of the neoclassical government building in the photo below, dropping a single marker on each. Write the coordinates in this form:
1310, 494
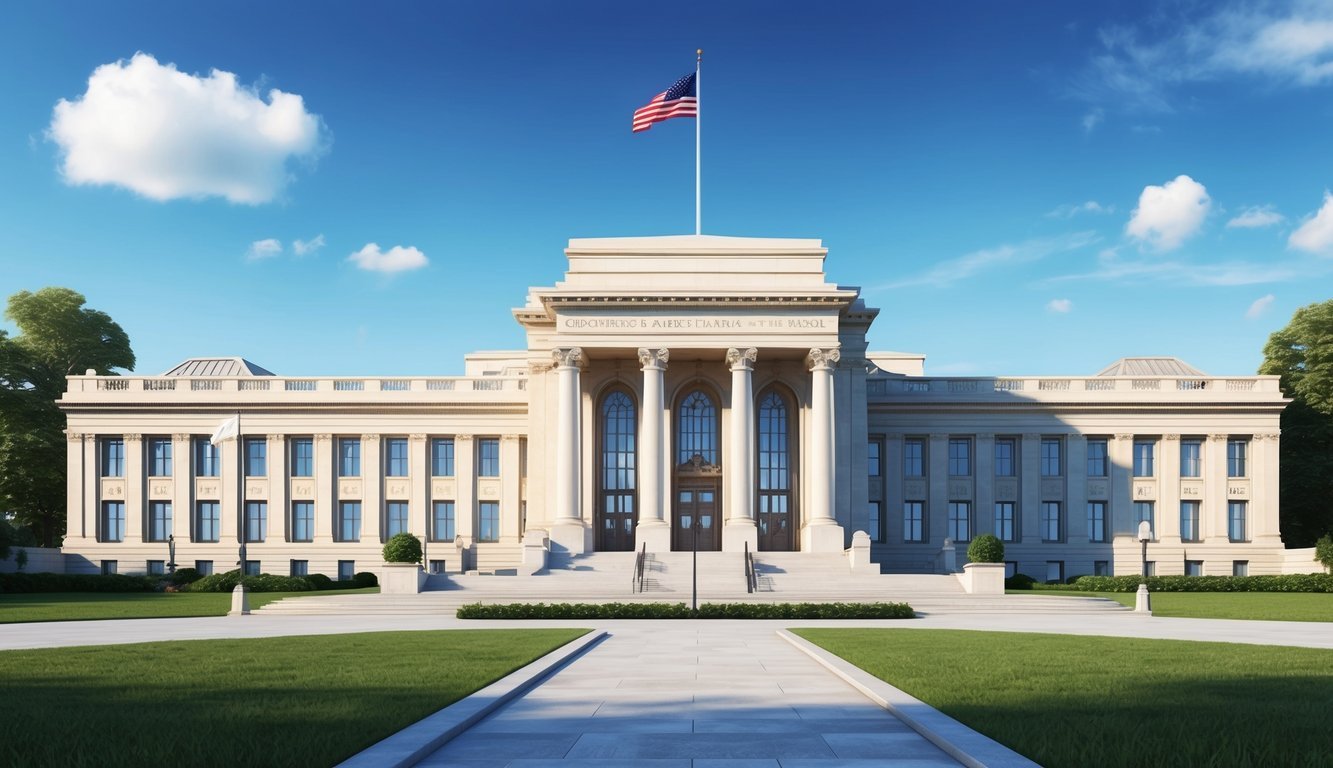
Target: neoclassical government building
678, 392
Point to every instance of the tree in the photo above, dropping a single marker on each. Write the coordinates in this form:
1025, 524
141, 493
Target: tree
57, 337
1302, 354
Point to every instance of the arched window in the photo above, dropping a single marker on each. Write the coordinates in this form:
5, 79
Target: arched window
773, 492
618, 477
697, 432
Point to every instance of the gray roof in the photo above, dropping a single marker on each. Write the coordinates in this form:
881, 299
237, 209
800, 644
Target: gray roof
1150, 366
217, 366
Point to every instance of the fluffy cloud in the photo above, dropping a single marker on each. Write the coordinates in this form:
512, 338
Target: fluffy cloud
306, 247
1069, 211
1060, 306
263, 249
1259, 306
166, 134
396, 259
1315, 234
1256, 217
1168, 215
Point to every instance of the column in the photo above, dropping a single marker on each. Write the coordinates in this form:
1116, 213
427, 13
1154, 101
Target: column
1076, 491
75, 509
1168, 504
325, 497
1121, 515
821, 532
983, 494
182, 494
1213, 515
510, 481
418, 489
738, 470
1263, 506
135, 507
279, 510
372, 491
568, 532
652, 530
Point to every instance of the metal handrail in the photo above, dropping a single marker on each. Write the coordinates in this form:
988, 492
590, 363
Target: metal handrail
751, 580
636, 580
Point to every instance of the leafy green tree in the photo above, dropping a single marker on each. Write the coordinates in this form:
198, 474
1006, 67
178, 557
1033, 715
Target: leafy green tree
1302, 354
57, 336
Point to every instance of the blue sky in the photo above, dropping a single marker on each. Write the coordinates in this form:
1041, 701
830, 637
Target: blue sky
1022, 188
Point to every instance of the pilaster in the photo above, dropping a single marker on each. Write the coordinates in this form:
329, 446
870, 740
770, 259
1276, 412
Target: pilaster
740, 529
821, 532
1076, 489
135, 487
510, 478
569, 531
182, 492
1168, 498
983, 516
937, 488
653, 531
1030, 488
418, 488
325, 484
1121, 450
372, 489
1213, 510
465, 486
279, 509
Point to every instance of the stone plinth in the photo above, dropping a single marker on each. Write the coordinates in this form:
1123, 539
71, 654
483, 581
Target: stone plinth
401, 578
858, 555
737, 533
983, 578
656, 536
240, 601
822, 538
536, 547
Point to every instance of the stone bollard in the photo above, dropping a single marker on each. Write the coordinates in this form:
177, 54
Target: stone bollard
240, 601
1143, 601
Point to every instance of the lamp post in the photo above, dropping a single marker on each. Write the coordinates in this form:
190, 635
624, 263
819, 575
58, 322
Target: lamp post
1142, 600
171, 553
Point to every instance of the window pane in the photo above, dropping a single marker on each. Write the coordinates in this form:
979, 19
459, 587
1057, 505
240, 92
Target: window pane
1005, 527
488, 454
205, 458
442, 523
206, 521
303, 521
960, 456
303, 457
159, 457
113, 521
1004, 457
1191, 453
159, 520
1189, 521
1237, 530
1096, 521
395, 457
349, 457
1051, 528
960, 516
1143, 512
488, 521
913, 521
256, 457
873, 465
395, 514
697, 429
1097, 459
914, 452
442, 457
1050, 457
349, 521
256, 520
113, 457
1237, 452
1143, 458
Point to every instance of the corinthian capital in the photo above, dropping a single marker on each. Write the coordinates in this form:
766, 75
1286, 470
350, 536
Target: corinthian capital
567, 357
653, 359
823, 359
742, 359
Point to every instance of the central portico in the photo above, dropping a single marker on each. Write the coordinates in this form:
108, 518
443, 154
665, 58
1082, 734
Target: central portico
695, 391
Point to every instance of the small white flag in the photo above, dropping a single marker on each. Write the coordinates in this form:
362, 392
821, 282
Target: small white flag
226, 430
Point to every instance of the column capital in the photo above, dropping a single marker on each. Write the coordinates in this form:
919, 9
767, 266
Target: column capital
1218, 438
182, 436
417, 437
462, 438
1170, 437
653, 359
509, 438
277, 437
823, 359
1124, 437
369, 436
133, 438
324, 438
742, 359
74, 437
567, 357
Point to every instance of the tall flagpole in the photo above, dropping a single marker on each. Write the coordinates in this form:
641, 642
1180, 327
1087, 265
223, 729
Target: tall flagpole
698, 109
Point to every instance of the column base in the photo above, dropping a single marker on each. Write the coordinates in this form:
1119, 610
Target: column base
737, 533
572, 538
655, 536
822, 538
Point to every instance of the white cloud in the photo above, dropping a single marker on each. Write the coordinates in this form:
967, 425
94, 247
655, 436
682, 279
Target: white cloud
949, 272
166, 134
1256, 217
1111, 268
1259, 306
1070, 210
264, 249
1092, 119
396, 259
305, 247
1060, 306
1315, 234
1170, 214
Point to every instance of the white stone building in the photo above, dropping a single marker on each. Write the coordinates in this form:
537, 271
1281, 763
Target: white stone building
678, 391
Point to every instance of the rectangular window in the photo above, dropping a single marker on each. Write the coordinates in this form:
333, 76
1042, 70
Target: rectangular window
110, 567
1237, 452
1240, 567
1096, 521
488, 521
1189, 521
256, 457
256, 520
159, 457
437, 566
207, 521
1143, 458
442, 521
442, 457
1098, 466
1193, 567
1101, 568
1006, 528
960, 456
349, 457
1050, 457
1152, 567
300, 568
157, 567
1143, 513
113, 457
303, 457
395, 457
1006, 449
873, 465
914, 521
1191, 458
204, 567
346, 570
488, 457
252, 568
1237, 530
875, 522
349, 521
395, 518
1051, 529
206, 460
1010, 568
303, 521
159, 520
914, 457
113, 521
960, 518
1055, 571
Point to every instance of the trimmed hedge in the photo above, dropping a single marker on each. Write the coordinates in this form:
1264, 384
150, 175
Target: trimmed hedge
362, 580
682, 611
76, 582
1299, 582
986, 548
264, 582
402, 548
1019, 581
184, 576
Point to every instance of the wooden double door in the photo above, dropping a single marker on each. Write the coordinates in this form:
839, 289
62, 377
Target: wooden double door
696, 516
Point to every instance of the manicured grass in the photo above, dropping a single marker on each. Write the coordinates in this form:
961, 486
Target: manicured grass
1100, 701
289, 701
82, 606
1261, 606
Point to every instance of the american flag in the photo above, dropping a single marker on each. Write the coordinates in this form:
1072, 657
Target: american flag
677, 101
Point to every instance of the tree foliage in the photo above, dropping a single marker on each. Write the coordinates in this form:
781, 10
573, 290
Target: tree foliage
57, 336
1302, 354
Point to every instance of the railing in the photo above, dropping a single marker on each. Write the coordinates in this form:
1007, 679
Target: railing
751, 580
1064, 387
470, 387
636, 580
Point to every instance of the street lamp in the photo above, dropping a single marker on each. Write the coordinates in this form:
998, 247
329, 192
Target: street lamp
1142, 601
171, 553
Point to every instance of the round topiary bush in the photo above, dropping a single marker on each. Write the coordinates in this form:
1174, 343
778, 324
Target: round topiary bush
986, 549
366, 579
402, 548
319, 581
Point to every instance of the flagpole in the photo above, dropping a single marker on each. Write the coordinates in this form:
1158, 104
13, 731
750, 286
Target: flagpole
698, 107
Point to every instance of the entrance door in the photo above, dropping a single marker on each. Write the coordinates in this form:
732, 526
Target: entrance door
695, 514
775, 523
616, 531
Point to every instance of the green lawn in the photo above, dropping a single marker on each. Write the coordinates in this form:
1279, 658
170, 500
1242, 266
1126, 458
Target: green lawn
81, 606
1265, 606
1099, 701
289, 701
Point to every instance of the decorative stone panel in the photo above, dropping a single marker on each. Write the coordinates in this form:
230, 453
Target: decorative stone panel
1145, 490
349, 488
208, 488
1238, 488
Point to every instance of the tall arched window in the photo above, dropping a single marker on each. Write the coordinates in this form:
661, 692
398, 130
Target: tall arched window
773, 493
697, 432
618, 477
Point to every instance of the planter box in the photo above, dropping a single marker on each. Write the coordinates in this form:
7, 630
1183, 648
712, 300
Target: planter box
401, 578
983, 578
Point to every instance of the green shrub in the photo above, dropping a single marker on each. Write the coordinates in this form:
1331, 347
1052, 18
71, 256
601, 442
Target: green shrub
1323, 552
319, 581
1019, 581
985, 549
362, 580
184, 576
402, 548
682, 611
264, 582
1298, 582
75, 582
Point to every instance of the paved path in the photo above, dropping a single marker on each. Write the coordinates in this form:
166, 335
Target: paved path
691, 696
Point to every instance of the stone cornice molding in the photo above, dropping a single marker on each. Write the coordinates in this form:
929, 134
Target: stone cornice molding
893, 436
463, 438
509, 438
742, 359
182, 436
277, 438
823, 359
567, 357
133, 438
74, 437
1218, 438
542, 367
323, 438
417, 437
1124, 436
370, 437
654, 359
1170, 437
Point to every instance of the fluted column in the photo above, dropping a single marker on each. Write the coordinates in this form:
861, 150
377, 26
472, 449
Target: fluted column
652, 531
821, 532
739, 468
567, 530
